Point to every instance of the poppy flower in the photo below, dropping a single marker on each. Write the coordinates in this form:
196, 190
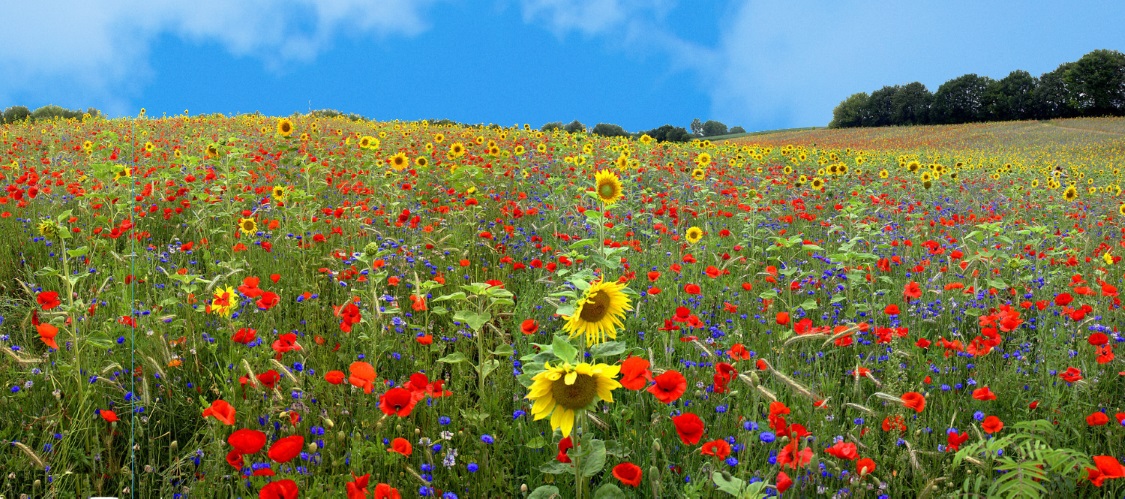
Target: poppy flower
689, 428
791, 457
1107, 467
286, 448
914, 400
782, 318
362, 376
843, 450
247, 441
991, 424
281, 489
1097, 418
529, 327
912, 291
1063, 299
47, 333
692, 289
864, 466
244, 335
891, 309
222, 411
285, 343
268, 300
783, 482
397, 401
564, 445
634, 373
357, 488
384, 491
334, 377
401, 446
628, 473
424, 339
954, 440
984, 394
48, 299
718, 448
234, 458
669, 386
108, 415
269, 378
1071, 375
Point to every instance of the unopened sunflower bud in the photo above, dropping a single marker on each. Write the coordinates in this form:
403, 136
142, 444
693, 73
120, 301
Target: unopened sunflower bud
341, 436
523, 488
313, 447
656, 448
174, 445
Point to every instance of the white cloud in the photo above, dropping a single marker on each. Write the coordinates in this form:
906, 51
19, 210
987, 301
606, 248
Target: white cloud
100, 50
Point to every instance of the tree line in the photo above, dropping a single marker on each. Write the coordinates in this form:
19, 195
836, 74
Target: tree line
665, 133
1091, 86
16, 114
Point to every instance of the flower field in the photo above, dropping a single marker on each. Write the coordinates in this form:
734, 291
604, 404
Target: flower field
313, 307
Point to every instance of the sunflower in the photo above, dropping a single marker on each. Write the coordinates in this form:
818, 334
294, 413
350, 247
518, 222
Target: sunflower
693, 235
519, 150
213, 150
457, 150
913, 166
284, 127
439, 138
1121, 210
1070, 194
645, 139
399, 162
703, 159
817, 183
883, 173
608, 186
698, 174
598, 313
562, 390
421, 161
48, 228
279, 193
247, 225
223, 301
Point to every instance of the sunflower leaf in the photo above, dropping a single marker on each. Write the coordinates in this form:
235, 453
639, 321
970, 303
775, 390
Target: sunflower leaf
609, 491
593, 457
564, 350
454, 358
607, 349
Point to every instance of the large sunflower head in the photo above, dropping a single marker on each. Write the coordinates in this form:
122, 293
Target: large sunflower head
607, 186
703, 159
279, 193
48, 228
284, 127
598, 313
247, 225
698, 174
693, 235
399, 162
457, 149
561, 390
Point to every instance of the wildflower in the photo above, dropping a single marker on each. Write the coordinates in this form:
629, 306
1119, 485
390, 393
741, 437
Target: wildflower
628, 473
598, 313
562, 390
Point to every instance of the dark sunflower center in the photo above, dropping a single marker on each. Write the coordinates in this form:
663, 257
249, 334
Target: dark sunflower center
606, 190
575, 396
595, 308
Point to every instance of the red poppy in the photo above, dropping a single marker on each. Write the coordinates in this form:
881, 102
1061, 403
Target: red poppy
234, 458
244, 335
397, 401
401, 446
334, 377
425, 339
275, 278
692, 289
738, 351
689, 428
268, 300
954, 440
1071, 375
357, 489
108, 415
718, 448
47, 334
669, 386
269, 378
384, 491
1097, 418
285, 343
628, 473
992, 424
529, 326
1063, 299
782, 318
222, 411
362, 376
791, 457
843, 450
783, 482
984, 394
286, 448
564, 445
912, 291
891, 309
281, 489
864, 466
247, 441
1107, 467
634, 373
48, 299
914, 400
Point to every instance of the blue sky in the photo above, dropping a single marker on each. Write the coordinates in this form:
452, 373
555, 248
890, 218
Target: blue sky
639, 64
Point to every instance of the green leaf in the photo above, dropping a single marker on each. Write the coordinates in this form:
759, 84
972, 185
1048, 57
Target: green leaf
728, 484
475, 320
556, 468
607, 349
593, 457
811, 247
564, 350
581, 244
459, 295
77, 252
504, 351
809, 305
537, 443
485, 368
454, 358
609, 491
545, 492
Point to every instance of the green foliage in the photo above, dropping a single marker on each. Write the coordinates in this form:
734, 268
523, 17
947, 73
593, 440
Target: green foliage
878, 109
575, 127
850, 112
1023, 463
960, 100
910, 105
552, 126
714, 128
669, 133
14, 114
609, 130
737, 129
19, 113
1097, 81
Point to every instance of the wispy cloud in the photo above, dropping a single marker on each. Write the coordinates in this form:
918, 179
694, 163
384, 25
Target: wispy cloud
98, 51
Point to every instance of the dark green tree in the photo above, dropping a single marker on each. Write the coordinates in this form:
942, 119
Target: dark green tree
552, 126
669, 133
697, 127
911, 105
609, 130
878, 109
961, 100
575, 127
849, 113
1097, 83
737, 129
14, 114
713, 128
1011, 97
1052, 98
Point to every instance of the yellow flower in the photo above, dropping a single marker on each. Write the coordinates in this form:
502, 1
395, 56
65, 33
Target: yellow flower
1107, 258
607, 186
645, 139
599, 312
457, 150
247, 225
693, 235
279, 193
703, 159
698, 174
399, 162
561, 391
284, 127
223, 301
